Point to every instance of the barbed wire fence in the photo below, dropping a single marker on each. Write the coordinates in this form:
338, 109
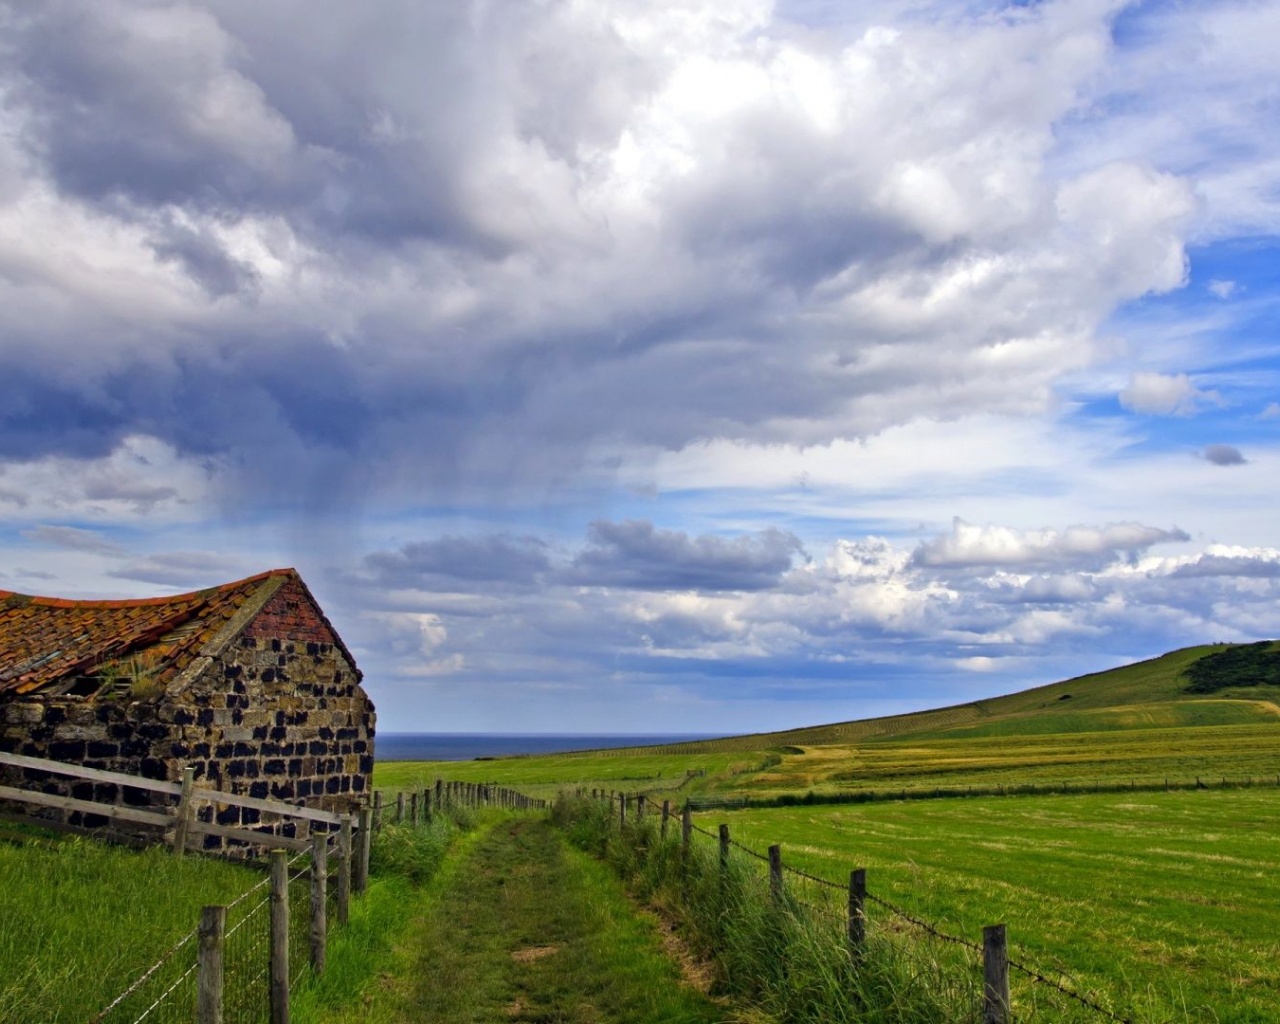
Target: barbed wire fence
167, 990
837, 904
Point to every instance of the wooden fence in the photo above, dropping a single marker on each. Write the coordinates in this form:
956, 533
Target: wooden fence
184, 816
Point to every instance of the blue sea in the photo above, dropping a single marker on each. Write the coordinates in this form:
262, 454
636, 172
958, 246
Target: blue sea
461, 746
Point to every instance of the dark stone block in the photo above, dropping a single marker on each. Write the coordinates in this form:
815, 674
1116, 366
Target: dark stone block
295, 767
248, 641
318, 749
346, 783
313, 648
54, 715
357, 784
98, 748
212, 842
275, 645
290, 829
273, 767
287, 749
67, 750
268, 675
366, 765
82, 790
224, 750
121, 731
239, 687
279, 733
260, 732
204, 716
303, 788
229, 815
282, 790
232, 671
348, 733
269, 749
326, 733
359, 747
135, 748
235, 769
332, 785
200, 750
183, 717
281, 662
251, 769
237, 717
245, 750
259, 790
250, 815
153, 731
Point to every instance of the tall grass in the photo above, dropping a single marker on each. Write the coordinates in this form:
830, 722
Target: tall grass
788, 958
80, 920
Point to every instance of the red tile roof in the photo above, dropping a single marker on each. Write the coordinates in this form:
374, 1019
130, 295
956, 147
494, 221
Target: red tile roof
47, 643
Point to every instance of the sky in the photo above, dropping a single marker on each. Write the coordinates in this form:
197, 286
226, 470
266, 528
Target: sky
653, 366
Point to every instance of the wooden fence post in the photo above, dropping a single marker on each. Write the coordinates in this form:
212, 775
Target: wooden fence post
344, 870
377, 810
666, 816
995, 971
857, 912
279, 937
400, 807
184, 812
622, 808
413, 808
775, 872
639, 807
319, 899
724, 849
365, 848
213, 926
426, 804
686, 831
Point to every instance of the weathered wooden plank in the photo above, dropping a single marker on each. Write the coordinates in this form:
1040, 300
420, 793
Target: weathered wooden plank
287, 810
279, 980
92, 774
211, 933
248, 835
67, 803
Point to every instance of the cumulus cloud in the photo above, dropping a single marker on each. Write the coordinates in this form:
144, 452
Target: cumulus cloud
1158, 394
646, 227
636, 555
969, 545
1224, 455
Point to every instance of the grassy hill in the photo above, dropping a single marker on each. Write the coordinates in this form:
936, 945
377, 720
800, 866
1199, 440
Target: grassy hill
1148, 694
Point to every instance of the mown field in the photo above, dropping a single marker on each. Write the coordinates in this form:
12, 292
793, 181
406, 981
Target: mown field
1164, 903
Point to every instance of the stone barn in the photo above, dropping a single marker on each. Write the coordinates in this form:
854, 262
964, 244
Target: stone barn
248, 683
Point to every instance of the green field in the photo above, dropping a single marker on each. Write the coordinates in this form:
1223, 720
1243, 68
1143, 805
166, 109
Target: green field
80, 920
1164, 902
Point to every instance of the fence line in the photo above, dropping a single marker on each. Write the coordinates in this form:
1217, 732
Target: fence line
993, 949
243, 941
1068, 787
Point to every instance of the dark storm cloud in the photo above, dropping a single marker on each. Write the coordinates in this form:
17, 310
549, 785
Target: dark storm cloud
498, 558
1224, 455
635, 555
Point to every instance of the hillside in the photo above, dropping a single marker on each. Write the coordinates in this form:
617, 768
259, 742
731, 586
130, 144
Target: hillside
1149, 694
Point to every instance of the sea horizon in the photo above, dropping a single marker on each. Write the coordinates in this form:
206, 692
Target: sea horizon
468, 746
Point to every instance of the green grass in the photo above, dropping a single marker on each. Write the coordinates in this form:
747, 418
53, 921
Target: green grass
80, 920
1164, 904
519, 927
631, 771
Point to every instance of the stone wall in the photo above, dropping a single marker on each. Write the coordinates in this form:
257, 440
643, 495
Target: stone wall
279, 713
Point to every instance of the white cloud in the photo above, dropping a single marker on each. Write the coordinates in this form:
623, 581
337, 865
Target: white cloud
1158, 394
969, 545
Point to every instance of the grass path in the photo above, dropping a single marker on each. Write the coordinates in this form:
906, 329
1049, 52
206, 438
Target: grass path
523, 928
